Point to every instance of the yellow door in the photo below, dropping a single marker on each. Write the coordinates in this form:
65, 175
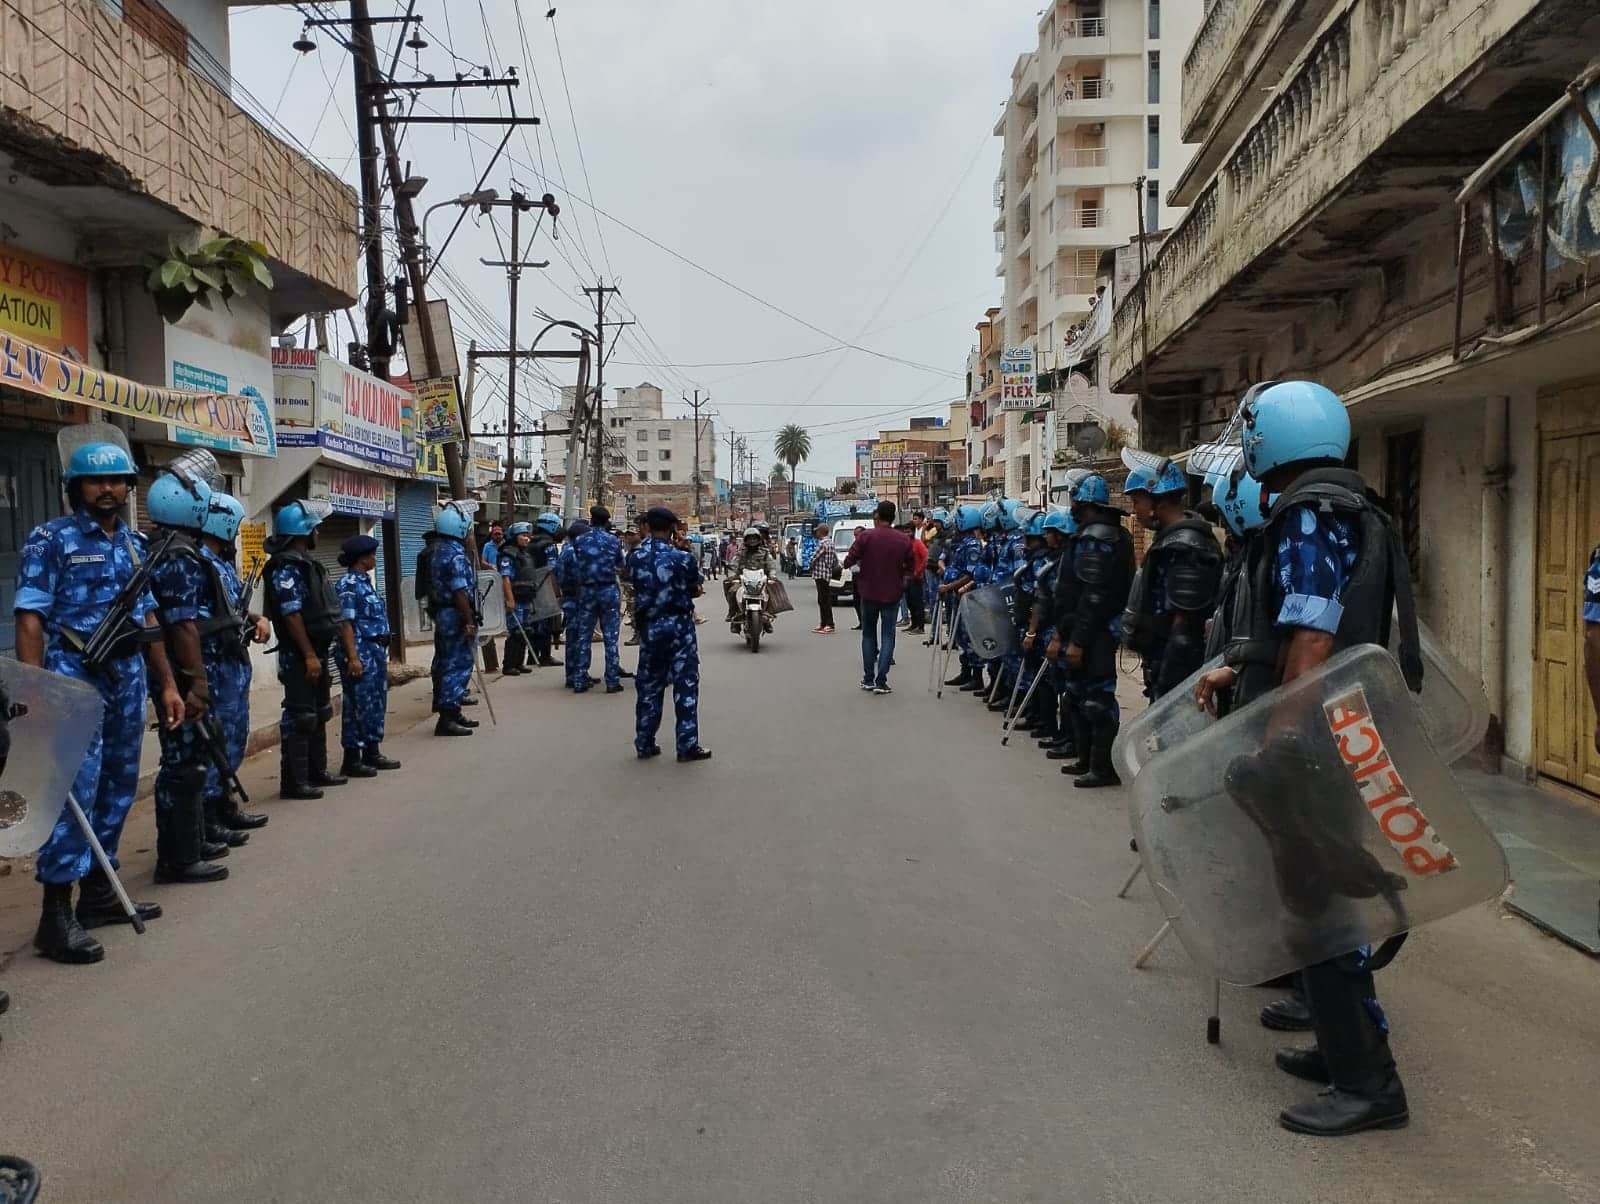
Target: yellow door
1569, 525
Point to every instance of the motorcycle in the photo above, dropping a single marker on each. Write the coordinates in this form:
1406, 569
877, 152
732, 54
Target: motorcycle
751, 609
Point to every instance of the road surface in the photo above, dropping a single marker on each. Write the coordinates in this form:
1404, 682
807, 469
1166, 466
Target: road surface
863, 955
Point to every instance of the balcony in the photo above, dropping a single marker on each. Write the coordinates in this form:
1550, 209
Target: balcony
1081, 167
1082, 37
1084, 228
92, 108
1079, 287
1394, 104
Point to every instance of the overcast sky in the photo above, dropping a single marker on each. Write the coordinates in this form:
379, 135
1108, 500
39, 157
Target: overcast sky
804, 153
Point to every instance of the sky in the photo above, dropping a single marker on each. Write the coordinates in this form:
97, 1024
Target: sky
833, 163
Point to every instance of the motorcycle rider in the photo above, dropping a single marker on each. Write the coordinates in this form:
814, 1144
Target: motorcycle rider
753, 555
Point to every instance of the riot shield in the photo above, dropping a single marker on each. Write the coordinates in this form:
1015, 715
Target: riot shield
986, 614
1316, 820
546, 605
491, 605
1451, 709
49, 737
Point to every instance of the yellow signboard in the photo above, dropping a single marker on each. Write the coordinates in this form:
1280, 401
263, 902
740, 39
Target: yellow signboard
438, 411
44, 373
44, 301
252, 546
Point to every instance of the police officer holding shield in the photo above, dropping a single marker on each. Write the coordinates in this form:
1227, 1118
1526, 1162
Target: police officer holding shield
1175, 589
1322, 576
452, 592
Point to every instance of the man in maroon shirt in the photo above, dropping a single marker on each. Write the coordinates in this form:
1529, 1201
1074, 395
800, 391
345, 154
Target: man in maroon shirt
885, 557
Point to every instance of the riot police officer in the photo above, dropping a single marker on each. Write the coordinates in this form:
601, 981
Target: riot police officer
187, 592
1087, 621
666, 581
1022, 665
73, 578
518, 584
571, 586
452, 585
1323, 575
1175, 589
362, 652
598, 558
963, 565
304, 609
1056, 731
225, 643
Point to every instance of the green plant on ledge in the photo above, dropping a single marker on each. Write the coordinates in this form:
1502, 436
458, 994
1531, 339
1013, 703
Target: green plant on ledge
221, 267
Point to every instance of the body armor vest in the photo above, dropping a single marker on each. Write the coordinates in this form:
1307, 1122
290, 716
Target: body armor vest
320, 612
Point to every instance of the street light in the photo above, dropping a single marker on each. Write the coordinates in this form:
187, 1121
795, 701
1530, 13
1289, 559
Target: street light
483, 199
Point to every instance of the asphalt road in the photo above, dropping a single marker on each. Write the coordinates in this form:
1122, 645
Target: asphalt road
863, 955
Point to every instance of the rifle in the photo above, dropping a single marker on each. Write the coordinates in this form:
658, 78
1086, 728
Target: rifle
241, 608
215, 747
117, 635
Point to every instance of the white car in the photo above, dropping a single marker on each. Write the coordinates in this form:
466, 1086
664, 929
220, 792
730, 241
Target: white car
844, 534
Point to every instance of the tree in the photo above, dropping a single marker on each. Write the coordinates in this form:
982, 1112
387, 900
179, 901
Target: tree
778, 473
793, 444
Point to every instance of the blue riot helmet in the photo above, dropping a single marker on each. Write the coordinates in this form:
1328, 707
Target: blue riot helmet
100, 460
516, 529
1035, 525
1139, 480
990, 516
1061, 522
453, 520
300, 518
549, 522
223, 519
172, 502
1092, 490
1241, 501
1292, 422
969, 518
939, 515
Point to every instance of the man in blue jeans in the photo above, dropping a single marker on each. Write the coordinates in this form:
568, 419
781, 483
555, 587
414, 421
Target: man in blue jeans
884, 557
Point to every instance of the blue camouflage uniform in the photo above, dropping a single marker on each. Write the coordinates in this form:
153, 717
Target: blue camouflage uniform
519, 615
181, 586
964, 560
70, 573
1591, 589
598, 556
571, 596
664, 584
290, 589
1046, 572
1312, 563
1026, 578
1084, 684
808, 549
366, 699
453, 653
1007, 555
229, 671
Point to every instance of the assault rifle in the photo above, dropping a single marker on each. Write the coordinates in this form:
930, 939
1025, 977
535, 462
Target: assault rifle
241, 608
118, 635
214, 746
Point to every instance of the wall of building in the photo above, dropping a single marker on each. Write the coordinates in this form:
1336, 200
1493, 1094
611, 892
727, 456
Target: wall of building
207, 23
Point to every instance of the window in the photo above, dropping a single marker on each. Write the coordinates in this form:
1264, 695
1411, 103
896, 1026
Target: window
1155, 77
1153, 21
644, 455
643, 435
1152, 158
664, 436
664, 454
1152, 206
1403, 491
665, 476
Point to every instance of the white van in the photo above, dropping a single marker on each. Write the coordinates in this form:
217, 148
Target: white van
844, 533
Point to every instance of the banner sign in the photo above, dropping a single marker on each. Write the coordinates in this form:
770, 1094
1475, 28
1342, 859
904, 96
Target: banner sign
439, 410
197, 363
321, 402
428, 458
252, 546
220, 415
294, 395
1017, 379
483, 468
45, 302
863, 459
351, 492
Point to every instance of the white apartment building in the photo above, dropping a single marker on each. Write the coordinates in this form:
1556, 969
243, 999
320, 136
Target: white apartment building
640, 442
1095, 108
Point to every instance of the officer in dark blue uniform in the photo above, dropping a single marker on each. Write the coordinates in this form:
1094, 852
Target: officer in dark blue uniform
304, 609
598, 556
225, 644
569, 581
1175, 589
188, 592
666, 581
363, 656
1087, 636
72, 571
1323, 575
963, 569
452, 587
1056, 736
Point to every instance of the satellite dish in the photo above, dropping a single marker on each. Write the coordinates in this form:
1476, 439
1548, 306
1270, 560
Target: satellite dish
1089, 438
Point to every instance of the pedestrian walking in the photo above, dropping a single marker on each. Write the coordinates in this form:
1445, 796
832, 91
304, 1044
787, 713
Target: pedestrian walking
666, 582
824, 564
885, 559
363, 657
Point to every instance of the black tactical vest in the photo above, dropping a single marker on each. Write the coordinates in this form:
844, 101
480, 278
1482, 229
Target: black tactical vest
525, 575
1191, 583
320, 613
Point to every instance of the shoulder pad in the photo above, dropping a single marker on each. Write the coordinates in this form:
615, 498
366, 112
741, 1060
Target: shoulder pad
1188, 537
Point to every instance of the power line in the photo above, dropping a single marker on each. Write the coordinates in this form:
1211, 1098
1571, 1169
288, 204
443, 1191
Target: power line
572, 116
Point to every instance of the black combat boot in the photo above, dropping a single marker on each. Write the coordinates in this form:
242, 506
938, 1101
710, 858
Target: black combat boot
511, 666
962, 678
1287, 1015
355, 766
1082, 745
60, 937
218, 834
1365, 1091
293, 773
1101, 771
180, 841
374, 758
317, 762
239, 820
1308, 1064
98, 904
450, 724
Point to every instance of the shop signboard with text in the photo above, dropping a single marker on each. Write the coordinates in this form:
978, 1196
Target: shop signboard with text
352, 492
45, 301
1017, 379
202, 365
321, 402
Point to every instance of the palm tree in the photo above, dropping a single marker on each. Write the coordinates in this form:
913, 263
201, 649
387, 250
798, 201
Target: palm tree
778, 472
793, 445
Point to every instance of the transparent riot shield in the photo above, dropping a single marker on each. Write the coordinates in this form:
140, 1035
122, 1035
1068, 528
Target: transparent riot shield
70, 438
491, 605
1451, 708
986, 614
51, 721
546, 605
1315, 820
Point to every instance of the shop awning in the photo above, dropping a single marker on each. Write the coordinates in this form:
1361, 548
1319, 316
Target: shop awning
44, 373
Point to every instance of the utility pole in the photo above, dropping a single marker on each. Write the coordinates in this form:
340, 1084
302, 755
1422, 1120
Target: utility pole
733, 476
696, 403
600, 292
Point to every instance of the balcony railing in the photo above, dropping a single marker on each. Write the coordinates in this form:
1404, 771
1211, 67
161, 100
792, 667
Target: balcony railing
1095, 87
1075, 286
1087, 219
1087, 156
1084, 27
1000, 241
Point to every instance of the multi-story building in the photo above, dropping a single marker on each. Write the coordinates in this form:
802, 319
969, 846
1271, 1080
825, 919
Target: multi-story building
985, 435
1091, 130
1393, 197
119, 132
642, 446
